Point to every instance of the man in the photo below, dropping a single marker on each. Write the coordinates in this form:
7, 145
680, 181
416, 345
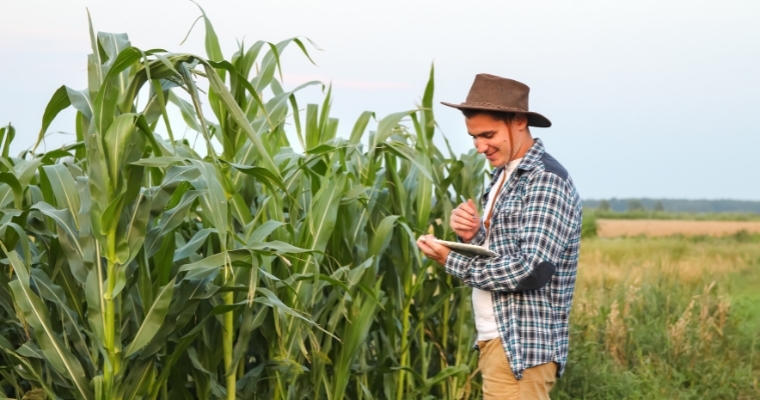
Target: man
522, 297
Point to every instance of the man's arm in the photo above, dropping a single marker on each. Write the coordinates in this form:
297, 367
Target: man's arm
546, 225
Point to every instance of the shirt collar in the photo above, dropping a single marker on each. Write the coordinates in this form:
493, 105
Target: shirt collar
529, 159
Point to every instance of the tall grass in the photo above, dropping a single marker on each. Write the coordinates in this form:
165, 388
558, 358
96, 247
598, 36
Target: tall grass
673, 318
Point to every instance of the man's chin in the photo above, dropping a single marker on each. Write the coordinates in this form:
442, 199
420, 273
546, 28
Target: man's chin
496, 163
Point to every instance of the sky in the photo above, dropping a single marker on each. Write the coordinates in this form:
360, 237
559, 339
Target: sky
647, 98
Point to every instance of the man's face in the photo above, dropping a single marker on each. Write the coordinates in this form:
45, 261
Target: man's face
491, 138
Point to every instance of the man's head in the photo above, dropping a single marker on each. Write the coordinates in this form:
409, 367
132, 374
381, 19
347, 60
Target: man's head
497, 116
501, 136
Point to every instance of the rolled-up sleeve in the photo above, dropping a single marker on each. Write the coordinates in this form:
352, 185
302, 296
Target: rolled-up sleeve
546, 225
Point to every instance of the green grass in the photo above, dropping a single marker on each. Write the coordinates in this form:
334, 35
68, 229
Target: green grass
666, 215
632, 336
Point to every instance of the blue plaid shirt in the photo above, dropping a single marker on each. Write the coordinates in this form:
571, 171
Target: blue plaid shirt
536, 230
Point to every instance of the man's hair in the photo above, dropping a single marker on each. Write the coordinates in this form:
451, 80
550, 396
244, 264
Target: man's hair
497, 115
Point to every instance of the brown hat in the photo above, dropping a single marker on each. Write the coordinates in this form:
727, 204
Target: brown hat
494, 93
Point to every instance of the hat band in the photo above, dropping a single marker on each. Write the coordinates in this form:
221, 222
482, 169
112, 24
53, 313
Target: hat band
490, 105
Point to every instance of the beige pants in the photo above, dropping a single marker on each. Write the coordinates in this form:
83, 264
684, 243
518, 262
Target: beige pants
500, 383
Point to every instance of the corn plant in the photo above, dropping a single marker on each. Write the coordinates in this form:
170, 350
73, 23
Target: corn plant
135, 267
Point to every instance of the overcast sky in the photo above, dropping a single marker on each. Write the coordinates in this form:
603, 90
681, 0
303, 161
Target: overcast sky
647, 98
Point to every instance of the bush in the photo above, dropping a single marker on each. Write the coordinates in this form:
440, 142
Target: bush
589, 227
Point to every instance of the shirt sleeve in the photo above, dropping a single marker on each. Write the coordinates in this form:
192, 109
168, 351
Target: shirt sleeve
547, 222
479, 237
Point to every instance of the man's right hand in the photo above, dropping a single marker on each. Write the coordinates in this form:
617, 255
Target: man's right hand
465, 221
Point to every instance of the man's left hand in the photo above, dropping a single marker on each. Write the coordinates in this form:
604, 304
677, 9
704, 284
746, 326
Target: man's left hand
433, 249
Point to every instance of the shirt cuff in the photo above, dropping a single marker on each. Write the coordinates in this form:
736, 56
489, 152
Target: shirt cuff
478, 239
457, 264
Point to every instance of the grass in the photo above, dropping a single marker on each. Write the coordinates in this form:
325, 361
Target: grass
667, 215
670, 317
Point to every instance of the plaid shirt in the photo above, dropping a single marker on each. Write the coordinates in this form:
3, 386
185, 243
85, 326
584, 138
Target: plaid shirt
536, 230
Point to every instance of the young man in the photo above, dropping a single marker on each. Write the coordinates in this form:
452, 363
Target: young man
521, 298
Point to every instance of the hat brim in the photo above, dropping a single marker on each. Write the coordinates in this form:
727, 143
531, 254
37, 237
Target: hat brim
534, 118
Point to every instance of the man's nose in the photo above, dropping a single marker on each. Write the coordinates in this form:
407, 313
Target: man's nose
481, 145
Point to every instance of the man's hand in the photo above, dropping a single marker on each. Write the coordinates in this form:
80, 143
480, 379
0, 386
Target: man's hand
465, 221
433, 249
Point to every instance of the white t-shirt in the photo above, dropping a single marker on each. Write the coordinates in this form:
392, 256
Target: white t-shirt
482, 303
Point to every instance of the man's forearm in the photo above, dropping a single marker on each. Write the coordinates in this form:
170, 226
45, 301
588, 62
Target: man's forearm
500, 274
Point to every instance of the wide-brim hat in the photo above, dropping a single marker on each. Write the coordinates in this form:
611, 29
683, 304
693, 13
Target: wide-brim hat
494, 93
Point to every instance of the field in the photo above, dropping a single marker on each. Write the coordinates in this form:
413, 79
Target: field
137, 265
652, 227
668, 317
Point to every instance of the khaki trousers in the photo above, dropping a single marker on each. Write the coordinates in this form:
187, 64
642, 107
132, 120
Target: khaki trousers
499, 382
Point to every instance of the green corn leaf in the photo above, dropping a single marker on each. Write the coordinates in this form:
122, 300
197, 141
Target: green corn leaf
385, 127
159, 162
68, 236
424, 194
54, 293
112, 215
153, 319
213, 50
81, 100
360, 126
264, 175
132, 229
59, 102
36, 314
64, 188
138, 380
14, 185
23, 238
188, 113
353, 336
192, 246
239, 117
170, 219
262, 231
115, 144
214, 200
382, 236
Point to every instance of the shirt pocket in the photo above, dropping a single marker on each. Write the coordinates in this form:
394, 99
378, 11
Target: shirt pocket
506, 224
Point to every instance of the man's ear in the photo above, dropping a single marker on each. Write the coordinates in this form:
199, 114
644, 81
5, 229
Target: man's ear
521, 121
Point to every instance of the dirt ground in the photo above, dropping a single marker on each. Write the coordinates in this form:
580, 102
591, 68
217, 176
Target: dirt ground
648, 227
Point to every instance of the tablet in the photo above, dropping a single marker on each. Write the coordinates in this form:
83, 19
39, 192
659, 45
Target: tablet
468, 249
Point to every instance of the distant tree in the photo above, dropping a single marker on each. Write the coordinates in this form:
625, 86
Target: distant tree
635, 205
658, 206
604, 205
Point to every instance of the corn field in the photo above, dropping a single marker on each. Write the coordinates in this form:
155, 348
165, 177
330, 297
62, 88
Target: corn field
135, 267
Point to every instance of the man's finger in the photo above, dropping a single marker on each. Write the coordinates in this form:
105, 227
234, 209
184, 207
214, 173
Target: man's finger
434, 246
466, 207
467, 220
423, 245
464, 214
472, 205
462, 229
